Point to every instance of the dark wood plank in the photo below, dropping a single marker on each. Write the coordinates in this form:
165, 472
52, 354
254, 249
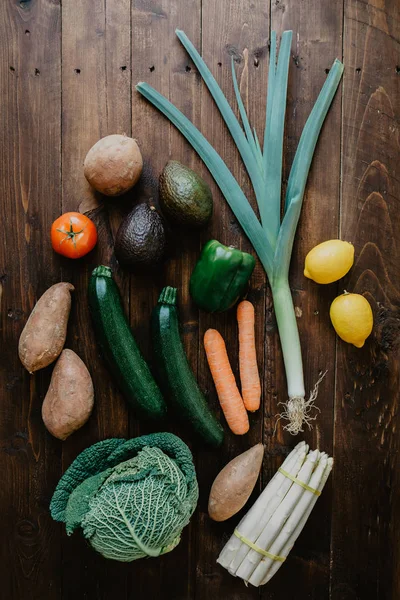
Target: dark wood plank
160, 60
316, 43
365, 544
96, 102
30, 135
240, 31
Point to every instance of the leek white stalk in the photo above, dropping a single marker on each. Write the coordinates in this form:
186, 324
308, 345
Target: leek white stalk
296, 517
272, 239
293, 537
289, 336
278, 519
267, 502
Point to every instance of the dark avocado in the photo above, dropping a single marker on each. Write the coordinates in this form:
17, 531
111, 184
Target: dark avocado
185, 198
141, 239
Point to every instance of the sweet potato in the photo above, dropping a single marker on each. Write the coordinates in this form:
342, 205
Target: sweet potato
43, 336
69, 400
233, 485
113, 165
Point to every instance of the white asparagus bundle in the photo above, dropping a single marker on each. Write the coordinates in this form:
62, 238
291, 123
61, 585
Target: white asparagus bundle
278, 519
256, 519
296, 532
268, 531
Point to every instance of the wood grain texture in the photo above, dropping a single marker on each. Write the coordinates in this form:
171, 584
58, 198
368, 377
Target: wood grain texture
365, 541
67, 74
315, 45
30, 181
240, 33
96, 103
160, 60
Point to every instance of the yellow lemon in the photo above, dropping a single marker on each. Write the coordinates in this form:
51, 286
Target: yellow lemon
329, 261
352, 318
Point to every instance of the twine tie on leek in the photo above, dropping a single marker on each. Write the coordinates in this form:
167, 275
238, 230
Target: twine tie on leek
131, 498
273, 237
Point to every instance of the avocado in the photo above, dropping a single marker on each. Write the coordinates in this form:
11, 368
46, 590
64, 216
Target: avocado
141, 238
185, 197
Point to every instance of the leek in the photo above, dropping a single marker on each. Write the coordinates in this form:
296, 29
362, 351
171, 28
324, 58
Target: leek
273, 237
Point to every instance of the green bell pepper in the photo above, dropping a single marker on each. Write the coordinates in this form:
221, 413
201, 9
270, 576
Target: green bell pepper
220, 276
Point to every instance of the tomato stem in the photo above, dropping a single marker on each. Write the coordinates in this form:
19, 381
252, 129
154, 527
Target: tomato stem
71, 234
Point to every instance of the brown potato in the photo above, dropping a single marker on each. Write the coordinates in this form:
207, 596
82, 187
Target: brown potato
43, 336
113, 165
69, 400
233, 485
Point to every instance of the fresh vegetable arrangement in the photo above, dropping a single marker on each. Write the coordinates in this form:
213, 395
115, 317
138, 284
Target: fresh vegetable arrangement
265, 536
130, 498
272, 239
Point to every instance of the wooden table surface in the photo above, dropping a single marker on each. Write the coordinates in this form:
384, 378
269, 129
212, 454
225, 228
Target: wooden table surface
67, 76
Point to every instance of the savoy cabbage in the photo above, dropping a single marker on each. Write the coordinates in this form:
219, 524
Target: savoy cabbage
131, 498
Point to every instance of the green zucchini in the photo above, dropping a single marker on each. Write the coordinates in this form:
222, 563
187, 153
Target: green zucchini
175, 374
119, 348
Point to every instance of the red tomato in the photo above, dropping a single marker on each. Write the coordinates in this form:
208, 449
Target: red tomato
73, 235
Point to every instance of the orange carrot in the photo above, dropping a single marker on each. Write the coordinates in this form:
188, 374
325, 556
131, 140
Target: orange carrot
224, 380
249, 376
